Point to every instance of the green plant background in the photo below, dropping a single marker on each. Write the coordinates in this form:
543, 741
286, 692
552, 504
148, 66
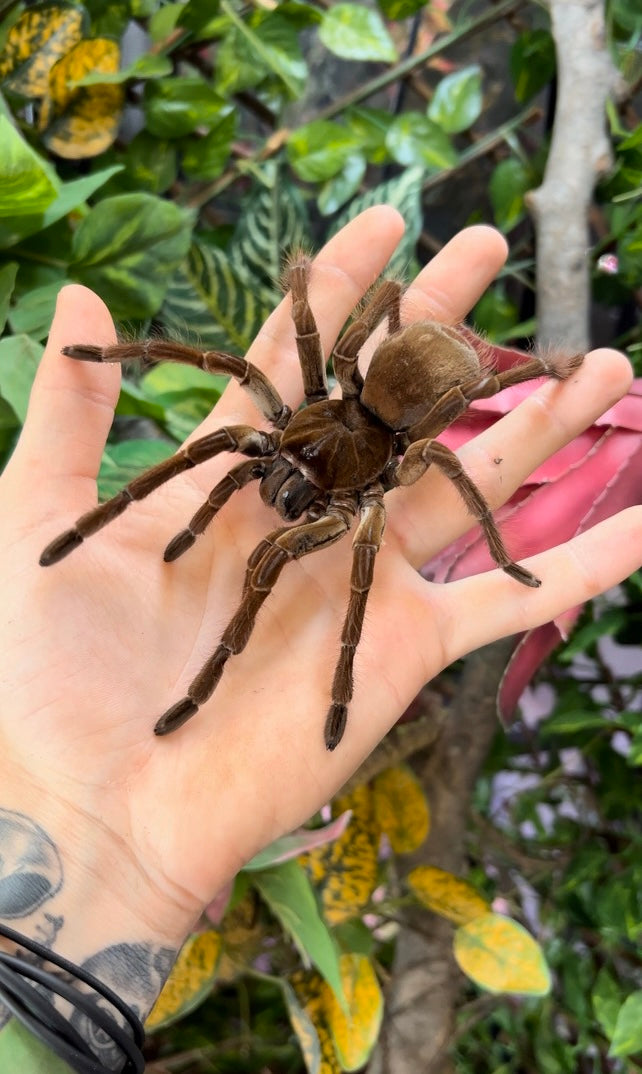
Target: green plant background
219, 160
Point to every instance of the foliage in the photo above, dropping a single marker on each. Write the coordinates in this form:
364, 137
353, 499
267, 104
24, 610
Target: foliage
174, 183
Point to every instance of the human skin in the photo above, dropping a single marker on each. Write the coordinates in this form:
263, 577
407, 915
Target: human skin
93, 649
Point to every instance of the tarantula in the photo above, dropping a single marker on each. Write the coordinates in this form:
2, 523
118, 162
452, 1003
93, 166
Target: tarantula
328, 462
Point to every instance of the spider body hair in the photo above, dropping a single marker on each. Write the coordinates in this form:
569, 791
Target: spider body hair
325, 465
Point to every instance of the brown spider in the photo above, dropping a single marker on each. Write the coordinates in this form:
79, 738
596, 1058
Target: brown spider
329, 461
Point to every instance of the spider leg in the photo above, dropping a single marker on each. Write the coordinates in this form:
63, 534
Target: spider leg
238, 477
261, 390
385, 302
414, 464
270, 557
308, 342
456, 400
241, 438
366, 544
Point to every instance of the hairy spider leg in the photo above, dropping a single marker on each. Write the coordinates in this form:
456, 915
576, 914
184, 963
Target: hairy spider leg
260, 389
366, 544
414, 464
239, 438
308, 341
385, 302
238, 477
270, 557
456, 400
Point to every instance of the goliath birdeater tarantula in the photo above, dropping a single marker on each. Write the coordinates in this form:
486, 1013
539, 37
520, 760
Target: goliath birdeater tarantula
328, 462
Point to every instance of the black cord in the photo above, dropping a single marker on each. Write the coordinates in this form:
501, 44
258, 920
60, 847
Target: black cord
27, 1003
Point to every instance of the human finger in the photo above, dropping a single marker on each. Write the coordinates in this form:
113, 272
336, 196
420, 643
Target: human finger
453, 281
341, 273
430, 514
71, 406
475, 611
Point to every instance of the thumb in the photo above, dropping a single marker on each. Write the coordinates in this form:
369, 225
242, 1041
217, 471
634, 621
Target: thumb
71, 406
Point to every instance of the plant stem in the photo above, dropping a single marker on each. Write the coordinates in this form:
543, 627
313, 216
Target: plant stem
400, 70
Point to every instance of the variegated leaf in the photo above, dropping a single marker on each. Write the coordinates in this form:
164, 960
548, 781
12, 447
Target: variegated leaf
273, 222
446, 894
190, 981
37, 40
208, 298
355, 1033
346, 872
499, 955
83, 121
401, 808
311, 991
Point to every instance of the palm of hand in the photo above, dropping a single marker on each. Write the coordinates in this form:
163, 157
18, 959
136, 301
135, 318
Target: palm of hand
108, 639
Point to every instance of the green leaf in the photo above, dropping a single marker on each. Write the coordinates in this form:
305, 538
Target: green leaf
336, 191
20, 1050
196, 14
205, 158
320, 149
175, 107
8, 275
634, 756
370, 126
126, 249
567, 723
28, 183
150, 164
532, 63
607, 1000
404, 193
416, 139
33, 311
209, 298
608, 624
123, 462
19, 359
356, 32
499, 955
267, 44
288, 893
400, 9
627, 1035
457, 101
70, 196
508, 184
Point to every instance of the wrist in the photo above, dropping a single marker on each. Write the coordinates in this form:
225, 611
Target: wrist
69, 884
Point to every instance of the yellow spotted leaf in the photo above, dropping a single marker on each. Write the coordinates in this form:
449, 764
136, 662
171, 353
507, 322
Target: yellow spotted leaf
82, 121
308, 1019
499, 955
190, 981
401, 808
37, 40
352, 862
446, 894
356, 1033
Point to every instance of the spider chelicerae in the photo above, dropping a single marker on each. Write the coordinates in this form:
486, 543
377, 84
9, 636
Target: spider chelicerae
327, 463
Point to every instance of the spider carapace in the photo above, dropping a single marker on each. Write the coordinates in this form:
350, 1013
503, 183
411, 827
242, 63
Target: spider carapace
326, 464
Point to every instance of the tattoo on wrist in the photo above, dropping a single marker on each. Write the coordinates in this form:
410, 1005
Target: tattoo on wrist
31, 876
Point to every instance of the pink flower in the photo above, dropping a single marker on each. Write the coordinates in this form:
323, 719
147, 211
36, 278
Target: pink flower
596, 475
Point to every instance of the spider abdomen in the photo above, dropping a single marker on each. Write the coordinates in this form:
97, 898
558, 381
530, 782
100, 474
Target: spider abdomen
337, 444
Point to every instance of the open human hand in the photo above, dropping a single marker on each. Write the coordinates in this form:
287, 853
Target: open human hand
96, 647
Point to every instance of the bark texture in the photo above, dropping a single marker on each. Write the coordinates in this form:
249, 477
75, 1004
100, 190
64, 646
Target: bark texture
579, 154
